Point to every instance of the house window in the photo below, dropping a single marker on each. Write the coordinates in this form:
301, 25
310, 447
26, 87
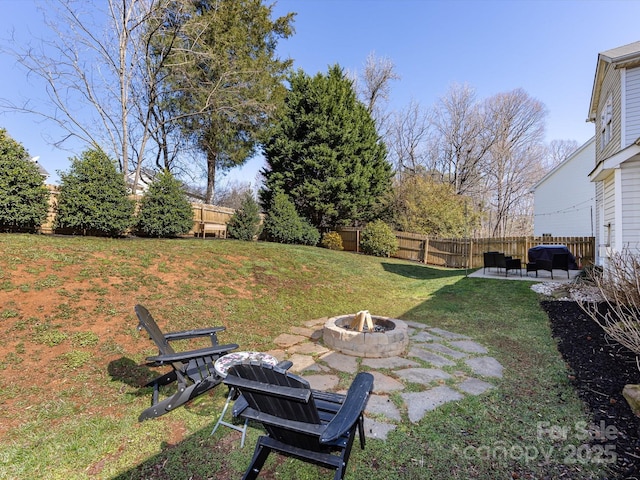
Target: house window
605, 123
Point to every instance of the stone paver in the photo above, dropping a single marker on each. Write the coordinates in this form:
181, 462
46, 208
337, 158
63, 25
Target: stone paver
389, 362
316, 322
340, 362
468, 346
419, 403
474, 386
316, 368
322, 382
447, 334
430, 357
417, 325
376, 429
424, 376
425, 337
485, 366
286, 340
450, 352
309, 348
304, 331
383, 383
300, 362
278, 353
382, 405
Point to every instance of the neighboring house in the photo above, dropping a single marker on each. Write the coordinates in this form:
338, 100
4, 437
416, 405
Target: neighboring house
41, 169
564, 199
145, 179
615, 110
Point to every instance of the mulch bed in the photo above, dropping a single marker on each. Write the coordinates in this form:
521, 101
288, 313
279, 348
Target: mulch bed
600, 370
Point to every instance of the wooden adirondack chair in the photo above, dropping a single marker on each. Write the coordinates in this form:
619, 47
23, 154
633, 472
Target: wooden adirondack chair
192, 370
310, 425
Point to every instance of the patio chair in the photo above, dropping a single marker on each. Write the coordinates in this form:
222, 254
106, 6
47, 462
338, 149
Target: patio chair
559, 261
192, 370
508, 263
489, 260
310, 425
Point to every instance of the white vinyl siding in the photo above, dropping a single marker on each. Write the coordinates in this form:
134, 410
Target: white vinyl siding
631, 204
599, 223
609, 212
632, 105
564, 200
611, 90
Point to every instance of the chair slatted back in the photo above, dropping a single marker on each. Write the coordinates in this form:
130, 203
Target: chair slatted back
299, 407
147, 322
268, 401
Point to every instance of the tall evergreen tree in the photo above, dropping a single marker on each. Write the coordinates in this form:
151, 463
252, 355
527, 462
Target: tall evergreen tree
23, 196
223, 77
325, 152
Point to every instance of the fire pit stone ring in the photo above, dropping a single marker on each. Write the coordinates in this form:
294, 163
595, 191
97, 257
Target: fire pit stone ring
389, 338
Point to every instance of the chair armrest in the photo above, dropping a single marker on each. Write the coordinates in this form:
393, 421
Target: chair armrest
199, 332
285, 364
191, 354
352, 408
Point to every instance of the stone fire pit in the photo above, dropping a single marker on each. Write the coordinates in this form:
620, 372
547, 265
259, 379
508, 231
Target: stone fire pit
388, 338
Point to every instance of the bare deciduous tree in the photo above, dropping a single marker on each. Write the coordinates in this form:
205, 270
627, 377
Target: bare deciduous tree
461, 139
88, 66
558, 151
407, 140
517, 124
374, 88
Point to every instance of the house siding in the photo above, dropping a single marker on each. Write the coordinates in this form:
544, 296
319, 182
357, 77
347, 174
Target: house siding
564, 200
632, 110
611, 85
599, 221
609, 211
631, 204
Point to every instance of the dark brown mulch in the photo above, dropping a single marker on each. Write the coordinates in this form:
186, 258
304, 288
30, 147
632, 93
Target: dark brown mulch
600, 370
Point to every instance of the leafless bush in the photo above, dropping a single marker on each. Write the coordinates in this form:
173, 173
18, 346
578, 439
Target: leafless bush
619, 285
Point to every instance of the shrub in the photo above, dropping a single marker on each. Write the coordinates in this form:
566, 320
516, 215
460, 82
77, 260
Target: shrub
378, 239
245, 224
284, 225
332, 241
23, 196
619, 314
93, 197
165, 210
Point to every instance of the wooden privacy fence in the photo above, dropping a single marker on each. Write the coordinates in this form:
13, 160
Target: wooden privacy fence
468, 252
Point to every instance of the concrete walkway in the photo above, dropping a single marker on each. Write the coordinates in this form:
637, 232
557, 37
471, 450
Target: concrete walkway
441, 367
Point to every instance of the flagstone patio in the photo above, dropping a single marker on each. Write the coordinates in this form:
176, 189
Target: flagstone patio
470, 371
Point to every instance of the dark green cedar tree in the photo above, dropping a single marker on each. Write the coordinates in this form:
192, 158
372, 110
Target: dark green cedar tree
325, 153
24, 200
245, 223
165, 210
93, 197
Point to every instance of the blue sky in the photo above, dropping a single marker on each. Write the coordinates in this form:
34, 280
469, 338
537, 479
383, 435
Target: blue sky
548, 48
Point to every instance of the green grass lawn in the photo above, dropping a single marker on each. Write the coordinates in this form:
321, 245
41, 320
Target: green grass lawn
72, 359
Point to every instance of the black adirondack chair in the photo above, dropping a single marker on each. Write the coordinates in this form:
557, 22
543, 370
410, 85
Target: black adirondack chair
310, 425
192, 370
